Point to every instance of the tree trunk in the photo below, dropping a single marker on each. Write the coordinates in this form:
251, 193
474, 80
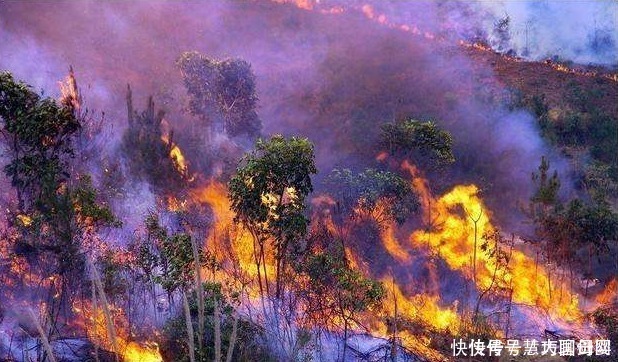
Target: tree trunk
109, 323
44, 339
233, 336
189, 323
345, 338
200, 295
217, 325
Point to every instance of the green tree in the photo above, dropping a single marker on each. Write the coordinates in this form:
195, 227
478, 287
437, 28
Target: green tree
335, 294
38, 134
599, 185
366, 189
268, 196
56, 211
546, 194
423, 142
567, 228
222, 93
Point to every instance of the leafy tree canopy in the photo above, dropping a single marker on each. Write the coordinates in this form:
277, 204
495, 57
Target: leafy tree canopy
269, 189
370, 187
222, 90
38, 133
424, 142
268, 196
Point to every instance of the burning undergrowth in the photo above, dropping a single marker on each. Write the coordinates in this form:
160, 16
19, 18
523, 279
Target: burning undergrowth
178, 250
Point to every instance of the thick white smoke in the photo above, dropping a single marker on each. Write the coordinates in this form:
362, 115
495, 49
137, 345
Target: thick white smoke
585, 32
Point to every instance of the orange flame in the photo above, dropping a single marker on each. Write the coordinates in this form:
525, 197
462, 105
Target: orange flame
177, 157
240, 241
424, 308
609, 294
453, 238
69, 92
130, 351
392, 245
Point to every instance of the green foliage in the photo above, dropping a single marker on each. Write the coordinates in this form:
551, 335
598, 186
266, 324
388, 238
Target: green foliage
115, 282
547, 186
600, 186
38, 133
565, 229
595, 224
269, 190
175, 256
248, 346
334, 290
423, 142
369, 187
603, 138
91, 212
581, 124
583, 99
222, 89
56, 210
568, 228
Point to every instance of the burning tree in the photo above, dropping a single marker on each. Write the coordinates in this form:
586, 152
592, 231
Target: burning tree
384, 195
58, 213
149, 152
268, 196
334, 293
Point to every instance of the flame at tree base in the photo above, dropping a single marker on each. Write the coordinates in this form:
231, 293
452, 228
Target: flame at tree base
129, 351
459, 222
137, 353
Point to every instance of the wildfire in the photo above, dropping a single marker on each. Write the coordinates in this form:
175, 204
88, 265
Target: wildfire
136, 353
370, 13
392, 245
609, 294
69, 92
311, 5
225, 231
458, 220
96, 327
177, 157
424, 308
25, 220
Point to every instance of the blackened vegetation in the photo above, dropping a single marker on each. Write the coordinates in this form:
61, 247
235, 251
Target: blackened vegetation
148, 153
